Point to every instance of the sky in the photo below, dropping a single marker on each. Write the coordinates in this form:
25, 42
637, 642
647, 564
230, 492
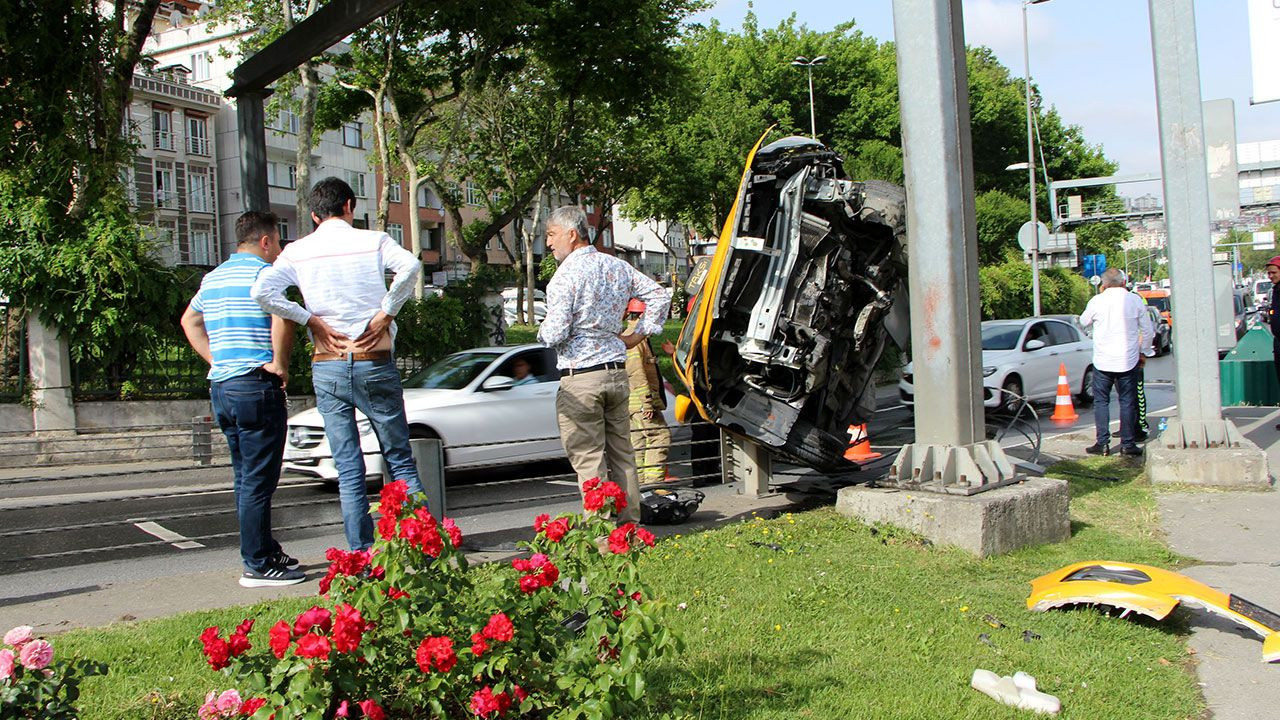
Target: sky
1091, 59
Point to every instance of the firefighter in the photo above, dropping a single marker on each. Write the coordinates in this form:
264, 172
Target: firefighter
649, 433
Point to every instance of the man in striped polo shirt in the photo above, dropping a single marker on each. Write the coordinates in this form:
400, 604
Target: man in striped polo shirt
248, 355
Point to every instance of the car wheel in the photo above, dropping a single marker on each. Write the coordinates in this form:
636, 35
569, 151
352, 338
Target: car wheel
817, 449
1085, 398
422, 432
1011, 394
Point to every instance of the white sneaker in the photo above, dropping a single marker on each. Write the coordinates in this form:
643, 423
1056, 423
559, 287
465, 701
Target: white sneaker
272, 577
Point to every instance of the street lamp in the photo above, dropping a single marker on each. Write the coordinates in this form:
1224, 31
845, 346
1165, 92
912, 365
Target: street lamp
808, 64
1031, 165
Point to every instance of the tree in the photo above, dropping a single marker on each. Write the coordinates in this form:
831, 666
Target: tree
999, 218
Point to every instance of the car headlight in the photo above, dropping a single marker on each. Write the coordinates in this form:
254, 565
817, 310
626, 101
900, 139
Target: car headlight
364, 427
989, 370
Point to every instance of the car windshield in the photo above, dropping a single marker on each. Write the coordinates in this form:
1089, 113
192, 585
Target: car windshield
453, 372
1262, 286
1000, 337
1159, 303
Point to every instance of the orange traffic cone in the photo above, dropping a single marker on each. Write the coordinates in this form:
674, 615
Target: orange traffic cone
1063, 410
859, 445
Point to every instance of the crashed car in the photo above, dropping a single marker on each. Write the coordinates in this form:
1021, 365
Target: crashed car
792, 312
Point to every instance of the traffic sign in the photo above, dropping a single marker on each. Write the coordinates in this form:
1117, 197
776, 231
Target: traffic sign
1095, 280
1027, 235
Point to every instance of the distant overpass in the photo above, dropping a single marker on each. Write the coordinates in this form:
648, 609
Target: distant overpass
1257, 202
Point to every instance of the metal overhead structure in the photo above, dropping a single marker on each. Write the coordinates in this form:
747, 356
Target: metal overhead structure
251, 79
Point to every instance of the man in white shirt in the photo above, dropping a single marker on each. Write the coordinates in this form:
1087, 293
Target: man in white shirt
1122, 336
341, 272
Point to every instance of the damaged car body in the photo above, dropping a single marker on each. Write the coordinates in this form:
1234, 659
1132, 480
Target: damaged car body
807, 284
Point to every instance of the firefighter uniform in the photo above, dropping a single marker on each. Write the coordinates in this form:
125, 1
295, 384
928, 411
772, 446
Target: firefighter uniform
650, 437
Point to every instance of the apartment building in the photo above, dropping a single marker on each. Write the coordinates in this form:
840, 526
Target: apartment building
656, 247
172, 182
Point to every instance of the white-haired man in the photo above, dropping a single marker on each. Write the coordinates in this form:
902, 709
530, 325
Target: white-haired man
1122, 336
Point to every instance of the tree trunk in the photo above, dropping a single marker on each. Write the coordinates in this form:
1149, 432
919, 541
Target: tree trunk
310, 82
415, 225
384, 161
538, 208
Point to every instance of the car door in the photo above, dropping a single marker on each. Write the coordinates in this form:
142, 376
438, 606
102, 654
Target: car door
1039, 368
1070, 350
519, 422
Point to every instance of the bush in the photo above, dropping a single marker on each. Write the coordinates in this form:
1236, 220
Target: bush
407, 629
32, 685
1005, 290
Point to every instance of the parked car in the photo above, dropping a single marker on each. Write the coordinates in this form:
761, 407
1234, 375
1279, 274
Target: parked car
1163, 341
1261, 293
1240, 313
1159, 299
1140, 286
510, 309
1022, 358
470, 401
794, 310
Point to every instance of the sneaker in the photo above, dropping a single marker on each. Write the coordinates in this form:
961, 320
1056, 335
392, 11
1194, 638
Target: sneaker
285, 560
1098, 449
272, 577
1140, 436
1132, 451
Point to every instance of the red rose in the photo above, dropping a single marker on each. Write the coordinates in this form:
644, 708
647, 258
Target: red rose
372, 710
387, 526
499, 628
478, 645
645, 536
550, 574
636, 596
281, 637
326, 582
216, 650
530, 584
620, 540
540, 522
438, 652
313, 646
521, 564
316, 617
504, 702
392, 497
348, 629
615, 491
238, 643
454, 532
244, 627
592, 500
251, 706
556, 529
377, 572
519, 693
591, 484
425, 516
396, 593
484, 703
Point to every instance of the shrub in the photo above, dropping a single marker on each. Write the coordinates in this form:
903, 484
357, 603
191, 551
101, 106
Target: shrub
32, 685
407, 629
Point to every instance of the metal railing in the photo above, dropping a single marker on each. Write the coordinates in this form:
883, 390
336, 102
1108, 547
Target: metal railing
162, 139
13, 354
198, 145
163, 369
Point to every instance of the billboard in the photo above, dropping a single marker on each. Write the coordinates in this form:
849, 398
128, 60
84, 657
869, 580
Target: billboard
1264, 28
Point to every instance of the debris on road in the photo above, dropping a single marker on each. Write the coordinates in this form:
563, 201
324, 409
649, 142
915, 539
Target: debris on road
1018, 690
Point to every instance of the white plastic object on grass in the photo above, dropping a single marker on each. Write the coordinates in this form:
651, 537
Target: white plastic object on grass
1019, 691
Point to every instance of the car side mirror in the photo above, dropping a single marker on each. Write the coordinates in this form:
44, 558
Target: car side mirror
498, 382
1033, 345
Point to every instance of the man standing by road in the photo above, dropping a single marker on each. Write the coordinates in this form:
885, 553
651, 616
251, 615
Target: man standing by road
649, 432
585, 302
1273, 317
1121, 339
248, 356
341, 272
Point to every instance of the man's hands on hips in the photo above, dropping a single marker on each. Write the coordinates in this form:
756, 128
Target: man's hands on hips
373, 333
326, 338
279, 370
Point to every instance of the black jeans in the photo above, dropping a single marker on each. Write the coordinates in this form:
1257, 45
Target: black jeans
1126, 384
250, 409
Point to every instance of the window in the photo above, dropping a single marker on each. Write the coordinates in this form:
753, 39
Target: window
199, 197
197, 135
588, 208
474, 196
282, 175
283, 227
394, 192
591, 233
161, 128
1062, 334
200, 69
353, 135
167, 239
428, 199
356, 181
396, 231
201, 250
285, 121
165, 195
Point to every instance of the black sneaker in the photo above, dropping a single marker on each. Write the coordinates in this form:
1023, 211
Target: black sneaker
1140, 436
1132, 451
285, 560
272, 577
1098, 449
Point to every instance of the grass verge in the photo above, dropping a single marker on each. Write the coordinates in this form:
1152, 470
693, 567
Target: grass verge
815, 615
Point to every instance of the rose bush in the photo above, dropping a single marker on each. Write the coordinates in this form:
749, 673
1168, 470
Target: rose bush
408, 630
32, 685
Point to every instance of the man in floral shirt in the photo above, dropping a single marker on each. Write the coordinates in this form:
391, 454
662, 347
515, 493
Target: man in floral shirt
585, 303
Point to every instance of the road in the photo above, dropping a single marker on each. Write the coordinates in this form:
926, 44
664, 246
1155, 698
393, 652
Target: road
70, 529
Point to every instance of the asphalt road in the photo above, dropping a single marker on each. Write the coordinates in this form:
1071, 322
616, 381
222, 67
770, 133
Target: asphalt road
66, 529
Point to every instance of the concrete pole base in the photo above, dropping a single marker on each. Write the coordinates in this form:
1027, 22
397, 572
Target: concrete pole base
1207, 453
957, 470
989, 523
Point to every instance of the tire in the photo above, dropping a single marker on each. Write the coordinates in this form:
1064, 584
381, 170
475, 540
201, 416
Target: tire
1085, 398
422, 432
817, 449
1008, 402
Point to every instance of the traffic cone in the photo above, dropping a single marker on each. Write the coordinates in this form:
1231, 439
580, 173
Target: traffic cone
1063, 410
859, 445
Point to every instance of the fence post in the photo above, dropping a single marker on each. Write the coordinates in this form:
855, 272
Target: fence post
202, 439
752, 463
429, 455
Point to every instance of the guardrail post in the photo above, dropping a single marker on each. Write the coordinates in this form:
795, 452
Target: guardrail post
429, 454
202, 439
753, 464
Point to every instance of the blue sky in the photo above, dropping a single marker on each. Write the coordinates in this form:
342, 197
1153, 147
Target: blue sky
1090, 58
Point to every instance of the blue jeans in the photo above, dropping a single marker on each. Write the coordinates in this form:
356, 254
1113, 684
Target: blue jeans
373, 387
1126, 384
250, 410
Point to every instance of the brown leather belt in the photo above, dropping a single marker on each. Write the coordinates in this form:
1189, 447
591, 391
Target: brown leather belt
376, 356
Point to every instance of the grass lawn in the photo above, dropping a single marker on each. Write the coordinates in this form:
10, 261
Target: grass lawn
845, 621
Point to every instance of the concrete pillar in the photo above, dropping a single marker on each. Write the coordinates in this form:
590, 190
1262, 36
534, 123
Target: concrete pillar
50, 362
253, 151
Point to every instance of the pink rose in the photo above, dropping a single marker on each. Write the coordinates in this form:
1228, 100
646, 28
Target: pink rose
36, 655
6, 664
228, 702
19, 636
209, 710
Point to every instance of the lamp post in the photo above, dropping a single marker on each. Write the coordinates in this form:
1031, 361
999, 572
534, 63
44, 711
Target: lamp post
808, 64
1031, 164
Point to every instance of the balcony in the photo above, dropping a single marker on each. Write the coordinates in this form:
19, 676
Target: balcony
162, 139
167, 199
198, 146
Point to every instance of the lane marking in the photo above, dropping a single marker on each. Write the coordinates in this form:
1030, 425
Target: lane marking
167, 535
570, 483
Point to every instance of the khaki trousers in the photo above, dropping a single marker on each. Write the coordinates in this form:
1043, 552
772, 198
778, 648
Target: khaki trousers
591, 409
652, 441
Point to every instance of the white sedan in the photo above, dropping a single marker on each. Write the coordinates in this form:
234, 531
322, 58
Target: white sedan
1022, 357
470, 401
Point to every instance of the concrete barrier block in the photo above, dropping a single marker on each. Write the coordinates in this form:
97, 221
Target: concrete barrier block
1243, 467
